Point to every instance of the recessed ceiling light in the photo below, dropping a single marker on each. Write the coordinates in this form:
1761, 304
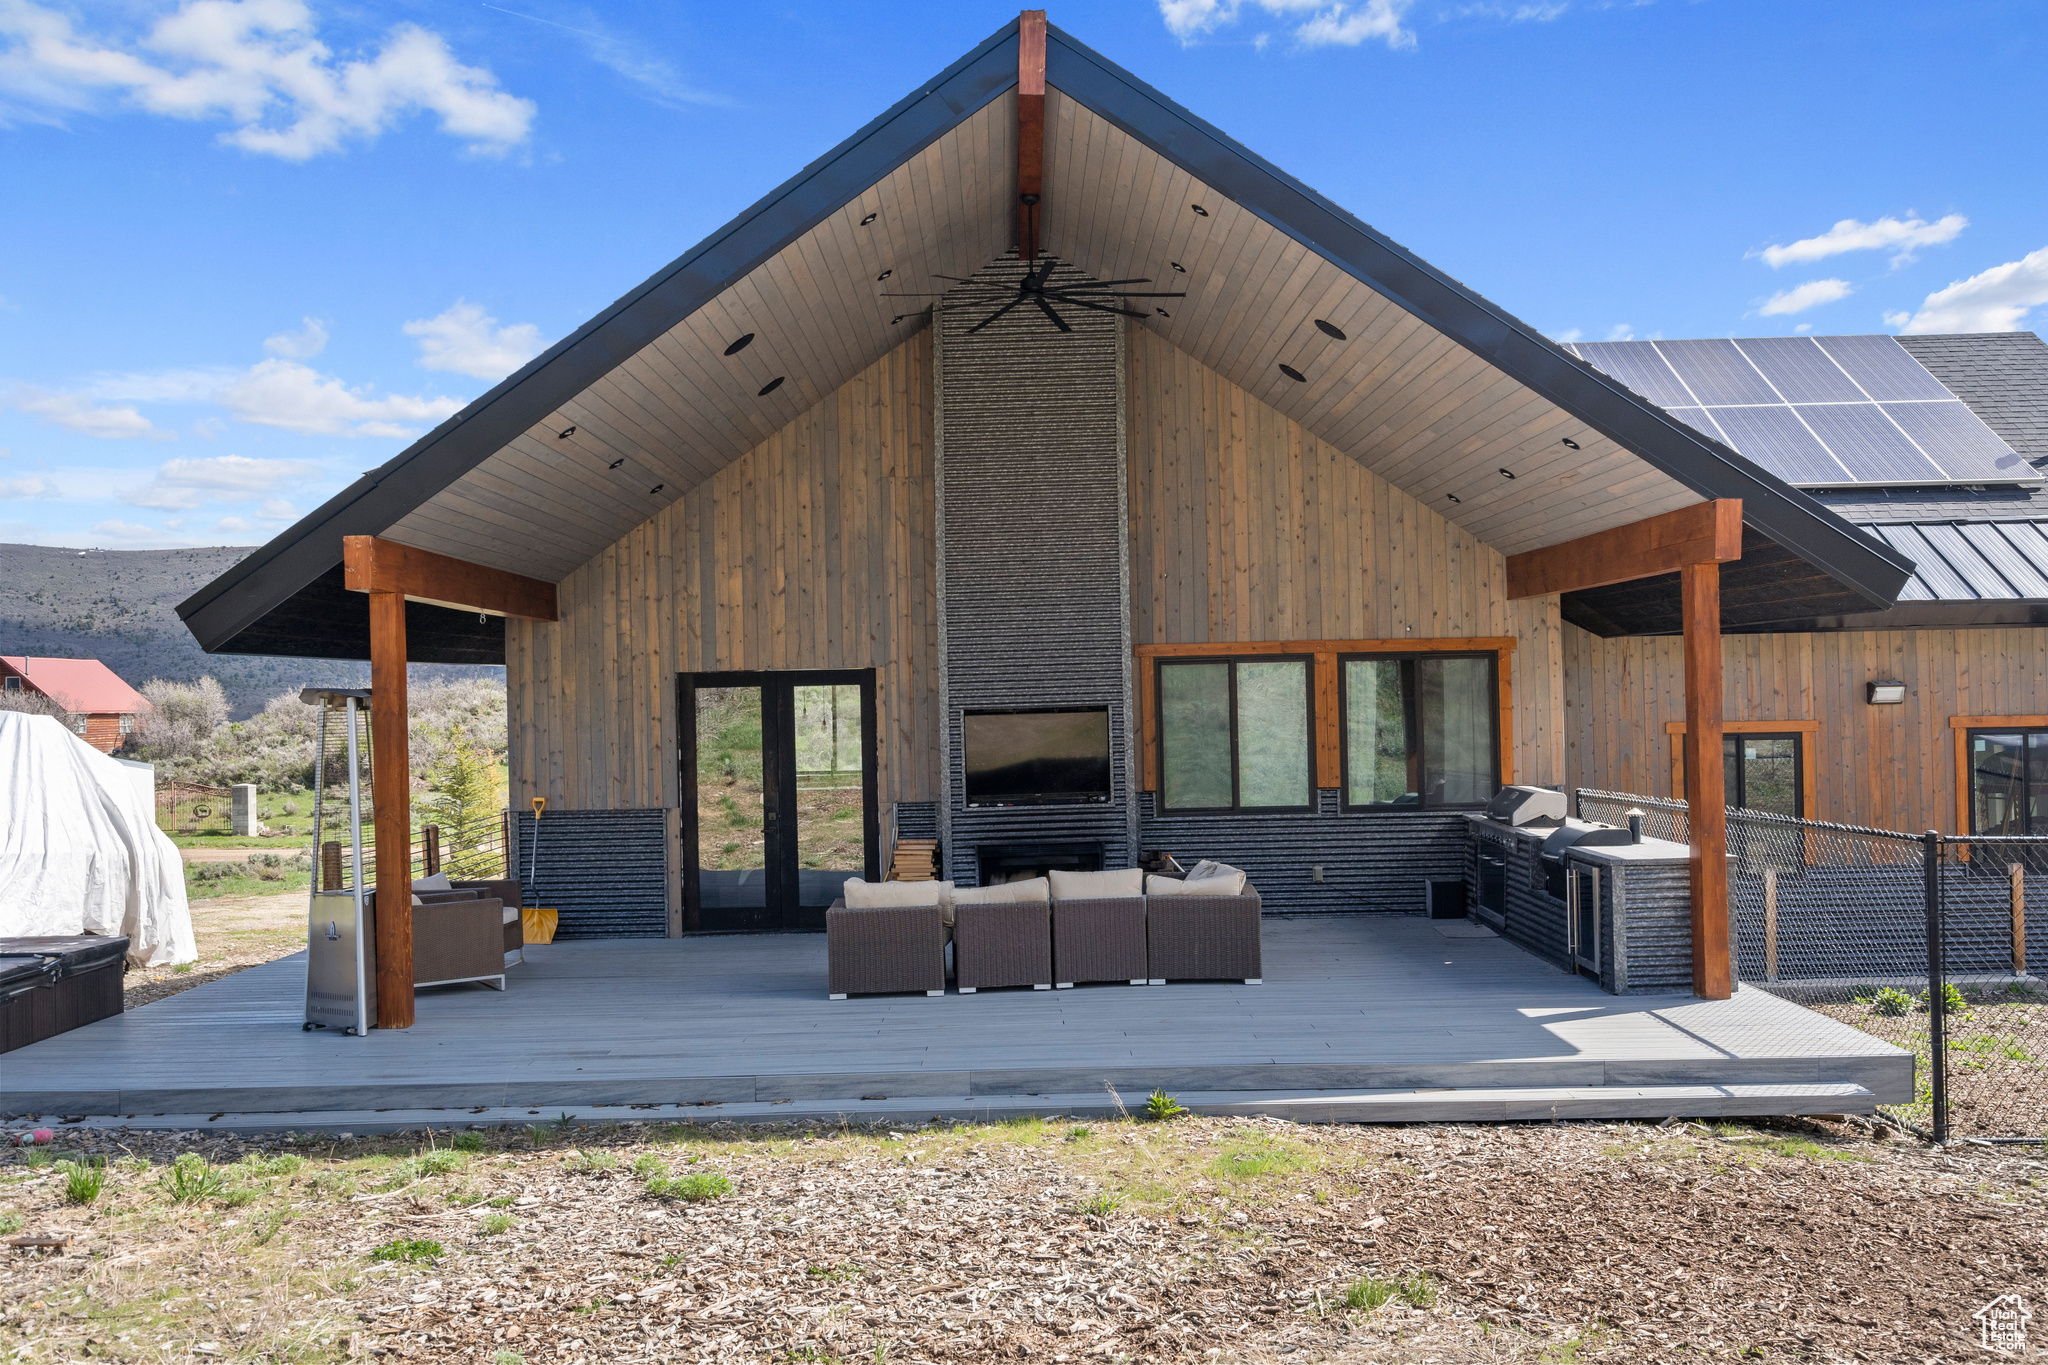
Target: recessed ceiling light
1454, 497
565, 434
740, 345
1568, 441
1296, 375
898, 318
1162, 312
884, 275
615, 463
771, 386
1178, 267
869, 219
656, 489
1331, 329
1199, 209
1507, 473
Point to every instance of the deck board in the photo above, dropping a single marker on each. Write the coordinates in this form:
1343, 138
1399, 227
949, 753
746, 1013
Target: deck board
1350, 1003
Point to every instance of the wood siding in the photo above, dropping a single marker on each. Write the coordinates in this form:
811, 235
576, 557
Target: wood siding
1244, 528
1889, 766
813, 550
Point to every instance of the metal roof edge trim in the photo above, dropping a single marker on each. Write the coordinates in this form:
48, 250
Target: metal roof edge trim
1791, 518
238, 598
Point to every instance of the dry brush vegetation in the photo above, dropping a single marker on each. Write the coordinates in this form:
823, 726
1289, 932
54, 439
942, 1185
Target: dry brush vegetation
1198, 1239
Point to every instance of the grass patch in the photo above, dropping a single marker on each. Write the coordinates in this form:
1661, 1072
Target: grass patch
468, 1142
590, 1163
1160, 1106
495, 1223
1101, 1204
10, 1223
1080, 1132
1370, 1292
192, 1178
691, 1189
649, 1165
407, 1250
83, 1180
1259, 1158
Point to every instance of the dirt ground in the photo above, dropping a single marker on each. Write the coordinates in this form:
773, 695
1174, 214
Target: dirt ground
232, 932
1194, 1239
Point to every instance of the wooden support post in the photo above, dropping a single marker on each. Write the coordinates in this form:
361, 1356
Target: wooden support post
2019, 919
1770, 924
1030, 128
1705, 794
391, 781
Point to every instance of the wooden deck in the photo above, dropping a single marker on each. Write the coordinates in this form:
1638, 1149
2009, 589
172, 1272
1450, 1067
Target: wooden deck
1360, 1018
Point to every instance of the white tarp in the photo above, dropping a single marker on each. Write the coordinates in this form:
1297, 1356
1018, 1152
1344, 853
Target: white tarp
80, 852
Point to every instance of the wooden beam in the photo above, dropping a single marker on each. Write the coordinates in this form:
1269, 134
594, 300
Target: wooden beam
1030, 128
1705, 791
391, 787
374, 565
1705, 533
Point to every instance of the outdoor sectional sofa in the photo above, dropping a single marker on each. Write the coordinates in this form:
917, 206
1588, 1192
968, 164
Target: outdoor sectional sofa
1154, 937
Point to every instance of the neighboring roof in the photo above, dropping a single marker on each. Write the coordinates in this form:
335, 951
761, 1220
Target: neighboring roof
1435, 388
1980, 554
84, 686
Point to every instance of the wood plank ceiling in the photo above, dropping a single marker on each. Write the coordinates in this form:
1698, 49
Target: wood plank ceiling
1395, 394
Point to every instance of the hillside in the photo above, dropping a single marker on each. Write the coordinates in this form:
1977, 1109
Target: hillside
120, 606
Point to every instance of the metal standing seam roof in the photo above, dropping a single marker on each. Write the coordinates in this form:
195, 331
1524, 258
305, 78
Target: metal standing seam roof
83, 686
1438, 386
1963, 561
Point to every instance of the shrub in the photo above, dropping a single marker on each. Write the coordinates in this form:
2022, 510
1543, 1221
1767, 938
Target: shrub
1891, 1002
468, 1142
1952, 1000
1369, 1292
691, 1189
1160, 1106
83, 1180
407, 1250
10, 1223
495, 1223
1100, 1204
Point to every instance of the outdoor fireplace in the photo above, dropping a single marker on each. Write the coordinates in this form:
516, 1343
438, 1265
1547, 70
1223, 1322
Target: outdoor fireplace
1021, 862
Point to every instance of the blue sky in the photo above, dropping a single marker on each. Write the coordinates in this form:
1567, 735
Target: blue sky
254, 246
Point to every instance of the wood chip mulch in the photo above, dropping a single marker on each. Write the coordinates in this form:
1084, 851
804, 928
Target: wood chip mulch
1200, 1239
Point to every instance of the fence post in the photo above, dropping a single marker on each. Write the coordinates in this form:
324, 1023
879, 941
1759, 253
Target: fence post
1937, 985
1770, 924
2018, 872
505, 840
433, 843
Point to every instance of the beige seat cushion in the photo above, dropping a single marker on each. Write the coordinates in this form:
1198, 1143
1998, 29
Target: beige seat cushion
511, 914
1090, 886
1003, 893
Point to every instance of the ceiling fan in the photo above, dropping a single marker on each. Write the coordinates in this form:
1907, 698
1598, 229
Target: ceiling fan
1035, 286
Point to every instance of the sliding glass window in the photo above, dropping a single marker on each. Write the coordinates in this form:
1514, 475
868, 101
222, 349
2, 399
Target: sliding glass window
1235, 734
2008, 781
1420, 730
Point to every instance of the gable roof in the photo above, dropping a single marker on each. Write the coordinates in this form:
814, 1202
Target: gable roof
82, 686
1434, 387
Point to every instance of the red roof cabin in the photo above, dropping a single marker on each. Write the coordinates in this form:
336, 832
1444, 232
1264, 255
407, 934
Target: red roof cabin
103, 708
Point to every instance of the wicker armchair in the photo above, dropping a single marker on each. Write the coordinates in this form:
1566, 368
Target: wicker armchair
884, 950
512, 895
1002, 943
1204, 938
457, 936
1099, 940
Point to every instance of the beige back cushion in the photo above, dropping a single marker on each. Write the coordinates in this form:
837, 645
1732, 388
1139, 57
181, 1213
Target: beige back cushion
1003, 893
866, 895
1208, 878
437, 882
1077, 886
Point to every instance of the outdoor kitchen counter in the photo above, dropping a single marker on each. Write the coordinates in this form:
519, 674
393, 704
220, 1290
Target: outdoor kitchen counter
1635, 930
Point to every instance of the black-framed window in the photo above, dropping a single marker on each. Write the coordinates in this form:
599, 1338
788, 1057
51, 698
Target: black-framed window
2008, 781
1236, 733
1762, 772
1420, 730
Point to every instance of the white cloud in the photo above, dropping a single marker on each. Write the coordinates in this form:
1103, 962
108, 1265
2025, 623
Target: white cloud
1323, 23
277, 509
1812, 294
111, 422
233, 526
629, 57
257, 64
310, 340
295, 397
1621, 331
1993, 300
1514, 14
1886, 234
129, 531
182, 485
1567, 338
26, 488
466, 340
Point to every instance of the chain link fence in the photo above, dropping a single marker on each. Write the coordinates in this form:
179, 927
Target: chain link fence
1920, 940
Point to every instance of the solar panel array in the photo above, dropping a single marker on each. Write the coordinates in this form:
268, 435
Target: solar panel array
1819, 412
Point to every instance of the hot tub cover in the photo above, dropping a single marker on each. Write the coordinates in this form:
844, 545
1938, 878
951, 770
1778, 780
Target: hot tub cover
80, 852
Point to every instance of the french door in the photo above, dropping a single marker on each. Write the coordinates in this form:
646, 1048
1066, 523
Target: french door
776, 775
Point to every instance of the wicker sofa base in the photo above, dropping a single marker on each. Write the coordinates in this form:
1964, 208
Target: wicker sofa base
1002, 944
1204, 938
1099, 940
885, 951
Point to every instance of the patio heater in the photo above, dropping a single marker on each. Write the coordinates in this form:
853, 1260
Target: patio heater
340, 972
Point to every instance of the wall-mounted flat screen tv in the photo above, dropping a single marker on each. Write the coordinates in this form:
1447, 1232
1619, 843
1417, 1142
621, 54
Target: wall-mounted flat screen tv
1037, 758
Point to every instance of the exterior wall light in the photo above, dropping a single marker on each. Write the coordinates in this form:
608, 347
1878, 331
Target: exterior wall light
1885, 693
